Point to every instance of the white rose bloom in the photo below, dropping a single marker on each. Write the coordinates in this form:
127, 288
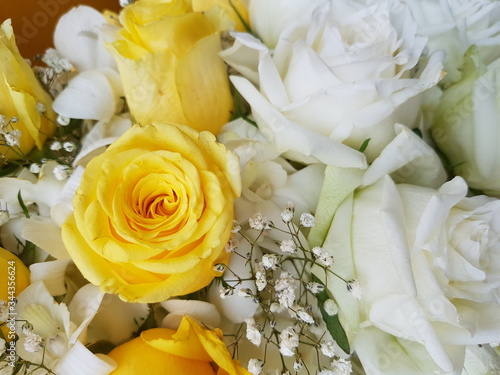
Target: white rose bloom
429, 263
454, 25
466, 123
344, 74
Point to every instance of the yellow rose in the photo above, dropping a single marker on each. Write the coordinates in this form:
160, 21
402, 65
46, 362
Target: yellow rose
13, 274
153, 213
192, 350
14, 278
168, 57
20, 92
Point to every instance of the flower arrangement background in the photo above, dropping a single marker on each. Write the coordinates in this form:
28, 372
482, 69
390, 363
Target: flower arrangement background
253, 187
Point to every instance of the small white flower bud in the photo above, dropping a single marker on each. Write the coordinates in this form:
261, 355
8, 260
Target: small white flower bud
219, 267
69, 146
307, 220
62, 172
33, 342
55, 146
354, 287
236, 227
287, 215
288, 246
35, 168
255, 366
328, 348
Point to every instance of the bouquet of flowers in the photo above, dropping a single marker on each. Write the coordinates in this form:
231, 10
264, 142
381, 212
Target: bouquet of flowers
254, 187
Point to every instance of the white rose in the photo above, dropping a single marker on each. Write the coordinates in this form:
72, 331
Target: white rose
466, 124
429, 266
454, 25
344, 74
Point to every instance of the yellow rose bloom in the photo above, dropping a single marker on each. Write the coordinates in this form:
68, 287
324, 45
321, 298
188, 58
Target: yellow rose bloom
192, 350
13, 274
14, 278
167, 55
20, 92
153, 213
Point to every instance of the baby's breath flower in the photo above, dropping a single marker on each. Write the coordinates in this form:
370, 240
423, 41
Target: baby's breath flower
270, 261
219, 267
56, 62
13, 137
40, 108
260, 276
55, 146
63, 120
4, 311
35, 168
14, 119
226, 292
328, 348
255, 366
232, 245
276, 308
253, 334
304, 316
259, 222
314, 287
285, 289
322, 256
27, 328
287, 215
69, 146
62, 172
354, 287
330, 307
33, 342
307, 220
341, 366
288, 246
236, 227
289, 340
297, 365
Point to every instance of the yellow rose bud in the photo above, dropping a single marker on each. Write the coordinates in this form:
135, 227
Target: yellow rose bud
192, 350
20, 94
153, 213
168, 58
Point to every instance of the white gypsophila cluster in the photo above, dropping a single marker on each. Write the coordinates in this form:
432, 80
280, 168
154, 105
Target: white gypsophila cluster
330, 307
62, 172
341, 366
63, 120
253, 334
328, 348
259, 222
53, 60
231, 245
56, 146
260, 276
270, 261
287, 215
226, 292
69, 146
303, 315
289, 340
4, 311
288, 246
285, 289
322, 256
255, 366
35, 168
307, 220
354, 287
12, 138
40, 108
33, 342
315, 287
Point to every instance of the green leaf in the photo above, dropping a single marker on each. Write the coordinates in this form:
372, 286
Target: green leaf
364, 145
23, 206
8, 169
332, 321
